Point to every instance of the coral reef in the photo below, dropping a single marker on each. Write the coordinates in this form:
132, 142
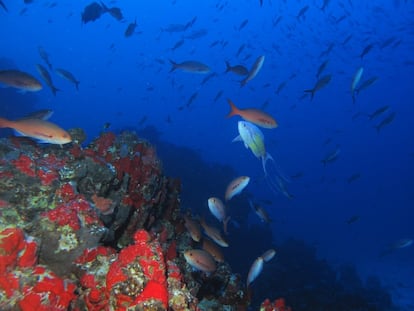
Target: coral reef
98, 228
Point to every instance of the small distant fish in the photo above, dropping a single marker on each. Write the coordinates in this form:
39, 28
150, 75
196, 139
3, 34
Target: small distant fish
322, 68
378, 112
366, 50
238, 69
328, 50
176, 28
302, 12
3, 6
327, 141
352, 219
355, 80
218, 95
191, 99
280, 87
200, 259
388, 42
197, 34
321, 83
241, 48
190, 66
346, 40
41, 130
268, 255
217, 208
68, 76
106, 125
178, 44
47, 78
255, 270
365, 84
325, 4
297, 175
254, 70
142, 120
253, 115
193, 228
130, 29
208, 77
402, 243
388, 120
353, 177
236, 186
260, 212
20, 80
44, 56
331, 157
243, 24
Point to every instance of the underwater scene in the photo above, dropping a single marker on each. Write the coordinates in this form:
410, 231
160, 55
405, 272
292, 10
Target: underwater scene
207, 155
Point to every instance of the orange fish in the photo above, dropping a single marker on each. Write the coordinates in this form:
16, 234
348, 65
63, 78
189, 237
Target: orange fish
253, 115
200, 259
41, 130
210, 247
193, 228
236, 186
214, 234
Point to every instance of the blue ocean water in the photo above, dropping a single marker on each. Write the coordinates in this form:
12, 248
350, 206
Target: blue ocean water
126, 82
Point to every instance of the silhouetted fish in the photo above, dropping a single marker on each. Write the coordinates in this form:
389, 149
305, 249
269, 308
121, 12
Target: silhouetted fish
92, 12
130, 29
3, 6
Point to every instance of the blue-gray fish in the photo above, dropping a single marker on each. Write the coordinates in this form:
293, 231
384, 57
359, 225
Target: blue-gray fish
258, 64
321, 83
68, 76
386, 121
48, 79
255, 270
190, 66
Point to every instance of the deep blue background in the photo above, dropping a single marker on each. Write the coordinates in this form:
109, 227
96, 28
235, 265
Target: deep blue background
124, 84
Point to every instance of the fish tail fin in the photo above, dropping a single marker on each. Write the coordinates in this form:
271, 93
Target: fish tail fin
225, 222
77, 85
54, 90
264, 161
5, 123
312, 92
173, 65
234, 110
243, 82
228, 67
104, 7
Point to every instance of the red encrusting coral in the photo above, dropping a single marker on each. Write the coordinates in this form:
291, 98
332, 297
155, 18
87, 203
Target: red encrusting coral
277, 305
74, 210
43, 290
25, 165
121, 177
